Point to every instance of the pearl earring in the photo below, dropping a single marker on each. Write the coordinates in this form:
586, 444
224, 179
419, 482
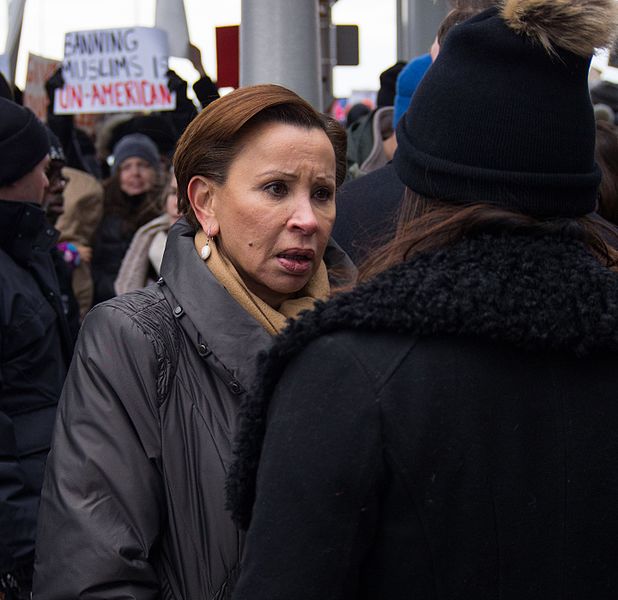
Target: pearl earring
205, 252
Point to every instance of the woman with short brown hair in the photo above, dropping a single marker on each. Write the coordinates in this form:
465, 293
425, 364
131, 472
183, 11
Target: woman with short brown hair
133, 504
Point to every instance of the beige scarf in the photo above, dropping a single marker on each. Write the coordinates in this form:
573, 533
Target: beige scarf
273, 320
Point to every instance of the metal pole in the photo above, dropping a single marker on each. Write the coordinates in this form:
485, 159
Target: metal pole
280, 43
328, 42
403, 21
417, 24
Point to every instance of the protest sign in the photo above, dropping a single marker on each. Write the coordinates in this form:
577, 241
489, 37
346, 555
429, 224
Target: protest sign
5, 66
14, 11
114, 70
170, 16
40, 69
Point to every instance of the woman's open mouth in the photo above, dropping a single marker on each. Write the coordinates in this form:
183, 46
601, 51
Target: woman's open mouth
296, 260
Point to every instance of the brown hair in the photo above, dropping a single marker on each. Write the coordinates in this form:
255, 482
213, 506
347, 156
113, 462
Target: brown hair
606, 156
214, 138
458, 15
428, 225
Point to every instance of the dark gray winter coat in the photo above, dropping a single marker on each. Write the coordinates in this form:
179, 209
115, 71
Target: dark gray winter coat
133, 503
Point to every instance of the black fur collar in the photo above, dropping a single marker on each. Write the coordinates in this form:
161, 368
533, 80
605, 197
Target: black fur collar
537, 293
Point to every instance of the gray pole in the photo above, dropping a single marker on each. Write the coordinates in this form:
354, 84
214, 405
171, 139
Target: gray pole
328, 43
417, 24
280, 43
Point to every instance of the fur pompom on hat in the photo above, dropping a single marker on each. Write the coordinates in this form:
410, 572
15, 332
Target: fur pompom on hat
504, 115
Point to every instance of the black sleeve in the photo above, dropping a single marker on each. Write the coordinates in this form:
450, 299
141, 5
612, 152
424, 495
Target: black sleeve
318, 483
102, 502
205, 90
108, 250
18, 503
185, 110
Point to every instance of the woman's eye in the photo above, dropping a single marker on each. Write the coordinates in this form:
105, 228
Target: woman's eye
323, 194
277, 189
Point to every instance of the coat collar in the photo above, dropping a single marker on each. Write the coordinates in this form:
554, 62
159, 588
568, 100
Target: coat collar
24, 230
536, 293
230, 333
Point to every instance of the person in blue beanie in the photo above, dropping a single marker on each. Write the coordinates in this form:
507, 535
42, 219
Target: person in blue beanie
407, 82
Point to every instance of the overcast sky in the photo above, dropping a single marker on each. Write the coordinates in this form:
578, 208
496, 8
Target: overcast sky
46, 22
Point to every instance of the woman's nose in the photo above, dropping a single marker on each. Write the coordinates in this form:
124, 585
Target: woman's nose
303, 217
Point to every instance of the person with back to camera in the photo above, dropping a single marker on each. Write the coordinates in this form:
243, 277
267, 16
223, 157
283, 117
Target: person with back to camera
448, 428
367, 207
133, 503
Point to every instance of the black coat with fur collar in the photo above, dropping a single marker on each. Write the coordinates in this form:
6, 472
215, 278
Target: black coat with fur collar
447, 430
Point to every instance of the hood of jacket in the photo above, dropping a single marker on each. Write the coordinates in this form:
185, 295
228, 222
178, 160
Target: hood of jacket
24, 229
536, 293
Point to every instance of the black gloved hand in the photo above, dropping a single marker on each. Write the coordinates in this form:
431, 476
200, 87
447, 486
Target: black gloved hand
175, 83
56, 81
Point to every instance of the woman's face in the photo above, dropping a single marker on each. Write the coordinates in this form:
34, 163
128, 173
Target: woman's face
171, 200
274, 214
137, 176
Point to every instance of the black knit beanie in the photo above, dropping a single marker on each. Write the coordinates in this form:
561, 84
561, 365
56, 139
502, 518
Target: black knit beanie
23, 141
388, 83
504, 115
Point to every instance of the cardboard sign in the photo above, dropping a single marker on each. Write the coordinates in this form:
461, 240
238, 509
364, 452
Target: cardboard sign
40, 69
114, 70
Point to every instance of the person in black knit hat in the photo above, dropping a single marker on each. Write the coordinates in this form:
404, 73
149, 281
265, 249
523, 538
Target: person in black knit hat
447, 429
367, 208
35, 342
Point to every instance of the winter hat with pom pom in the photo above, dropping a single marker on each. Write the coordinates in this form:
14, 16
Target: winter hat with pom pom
504, 114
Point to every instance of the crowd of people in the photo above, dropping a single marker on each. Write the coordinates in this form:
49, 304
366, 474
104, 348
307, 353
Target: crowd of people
247, 352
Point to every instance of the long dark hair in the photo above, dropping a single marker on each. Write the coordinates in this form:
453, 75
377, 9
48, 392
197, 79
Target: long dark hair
134, 211
425, 225
606, 156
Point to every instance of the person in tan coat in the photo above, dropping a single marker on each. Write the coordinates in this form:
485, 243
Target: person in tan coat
83, 209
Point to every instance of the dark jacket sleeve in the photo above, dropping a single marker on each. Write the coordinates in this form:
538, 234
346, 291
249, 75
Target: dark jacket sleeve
318, 481
108, 250
18, 503
185, 110
206, 90
102, 500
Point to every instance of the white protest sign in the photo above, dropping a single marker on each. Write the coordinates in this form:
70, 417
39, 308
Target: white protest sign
114, 70
14, 10
170, 16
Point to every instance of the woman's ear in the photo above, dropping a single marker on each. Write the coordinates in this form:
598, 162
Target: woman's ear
201, 192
